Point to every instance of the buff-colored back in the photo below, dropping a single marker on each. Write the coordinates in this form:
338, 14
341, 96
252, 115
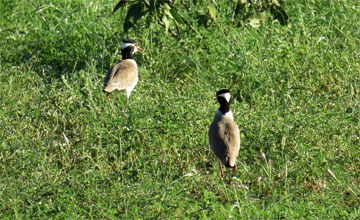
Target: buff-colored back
121, 76
224, 139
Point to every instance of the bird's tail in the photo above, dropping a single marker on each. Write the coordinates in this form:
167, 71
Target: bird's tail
229, 163
104, 87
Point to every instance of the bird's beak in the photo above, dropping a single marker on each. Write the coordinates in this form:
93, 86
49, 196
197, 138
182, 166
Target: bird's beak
138, 48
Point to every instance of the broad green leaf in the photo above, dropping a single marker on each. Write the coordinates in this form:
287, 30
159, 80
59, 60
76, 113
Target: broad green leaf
120, 4
135, 12
280, 14
255, 20
255, 23
212, 11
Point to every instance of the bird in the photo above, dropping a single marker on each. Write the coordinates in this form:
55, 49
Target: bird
224, 134
123, 76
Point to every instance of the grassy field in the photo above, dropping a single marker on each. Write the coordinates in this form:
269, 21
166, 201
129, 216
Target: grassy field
64, 154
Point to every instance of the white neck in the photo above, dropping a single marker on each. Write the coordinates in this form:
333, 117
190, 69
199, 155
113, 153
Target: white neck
228, 114
132, 60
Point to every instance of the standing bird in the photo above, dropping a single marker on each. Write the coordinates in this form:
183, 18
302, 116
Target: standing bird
123, 76
224, 134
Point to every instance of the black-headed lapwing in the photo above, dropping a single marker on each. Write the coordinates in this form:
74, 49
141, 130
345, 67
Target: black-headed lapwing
224, 134
123, 76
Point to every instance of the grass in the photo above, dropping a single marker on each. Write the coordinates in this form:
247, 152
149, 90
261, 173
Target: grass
65, 154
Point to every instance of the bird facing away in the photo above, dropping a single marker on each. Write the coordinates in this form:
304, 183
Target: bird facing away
123, 76
224, 134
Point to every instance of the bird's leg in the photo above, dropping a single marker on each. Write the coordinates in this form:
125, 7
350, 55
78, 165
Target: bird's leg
221, 170
232, 174
108, 97
127, 103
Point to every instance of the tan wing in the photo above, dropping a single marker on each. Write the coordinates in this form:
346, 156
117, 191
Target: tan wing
121, 76
224, 140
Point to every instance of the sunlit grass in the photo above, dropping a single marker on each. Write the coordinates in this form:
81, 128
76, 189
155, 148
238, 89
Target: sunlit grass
65, 154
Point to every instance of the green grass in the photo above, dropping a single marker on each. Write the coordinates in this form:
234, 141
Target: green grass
65, 154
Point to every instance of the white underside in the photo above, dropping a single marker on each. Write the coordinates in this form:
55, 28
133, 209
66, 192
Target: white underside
129, 89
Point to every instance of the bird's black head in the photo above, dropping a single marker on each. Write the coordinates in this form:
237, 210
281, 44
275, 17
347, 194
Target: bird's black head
128, 48
224, 98
223, 91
